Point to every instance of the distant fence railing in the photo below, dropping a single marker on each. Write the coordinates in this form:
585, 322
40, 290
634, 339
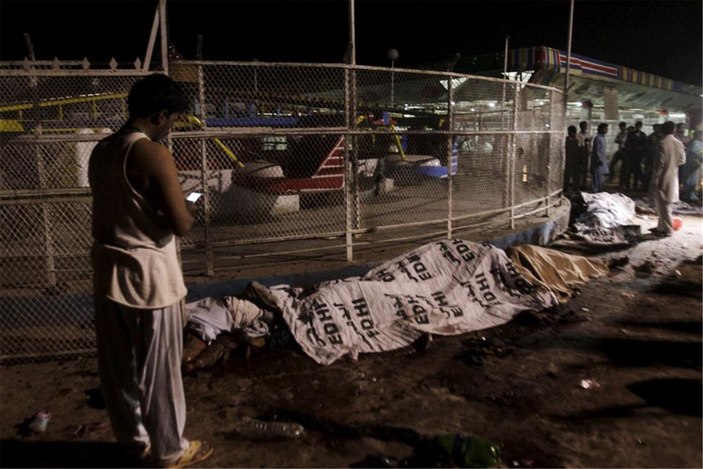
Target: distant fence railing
291, 158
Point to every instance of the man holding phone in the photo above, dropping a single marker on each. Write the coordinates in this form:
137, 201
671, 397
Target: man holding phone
138, 210
193, 197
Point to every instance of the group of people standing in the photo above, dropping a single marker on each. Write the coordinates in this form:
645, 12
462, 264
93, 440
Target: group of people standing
654, 163
636, 154
584, 151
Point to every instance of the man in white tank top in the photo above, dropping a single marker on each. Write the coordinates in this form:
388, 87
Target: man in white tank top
138, 210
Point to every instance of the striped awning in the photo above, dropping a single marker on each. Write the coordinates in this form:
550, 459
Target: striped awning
550, 59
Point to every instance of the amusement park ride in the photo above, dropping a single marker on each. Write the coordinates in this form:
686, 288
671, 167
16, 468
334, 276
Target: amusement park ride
306, 163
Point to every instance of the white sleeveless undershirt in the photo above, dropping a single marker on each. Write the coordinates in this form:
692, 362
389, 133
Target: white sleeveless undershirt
134, 257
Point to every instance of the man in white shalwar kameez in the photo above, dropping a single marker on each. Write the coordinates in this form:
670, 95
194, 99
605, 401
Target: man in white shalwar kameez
664, 187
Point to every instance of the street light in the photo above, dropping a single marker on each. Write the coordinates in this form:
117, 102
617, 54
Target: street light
392, 56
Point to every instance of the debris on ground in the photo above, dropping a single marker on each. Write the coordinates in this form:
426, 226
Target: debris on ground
475, 350
255, 429
572, 316
86, 428
618, 262
35, 424
589, 384
647, 267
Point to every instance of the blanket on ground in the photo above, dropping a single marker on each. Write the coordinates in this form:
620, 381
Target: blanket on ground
445, 287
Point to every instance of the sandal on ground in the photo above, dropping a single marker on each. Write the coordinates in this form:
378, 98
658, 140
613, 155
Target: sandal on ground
197, 451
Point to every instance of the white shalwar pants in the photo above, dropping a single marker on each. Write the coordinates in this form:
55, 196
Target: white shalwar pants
663, 209
139, 363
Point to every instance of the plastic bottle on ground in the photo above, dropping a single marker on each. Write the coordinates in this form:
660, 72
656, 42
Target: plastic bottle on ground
39, 422
262, 430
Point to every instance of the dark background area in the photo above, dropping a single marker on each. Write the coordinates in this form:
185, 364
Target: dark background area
661, 36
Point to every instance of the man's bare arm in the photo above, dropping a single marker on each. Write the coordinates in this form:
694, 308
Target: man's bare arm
157, 165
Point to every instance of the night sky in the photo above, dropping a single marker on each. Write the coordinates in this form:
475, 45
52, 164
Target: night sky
662, 37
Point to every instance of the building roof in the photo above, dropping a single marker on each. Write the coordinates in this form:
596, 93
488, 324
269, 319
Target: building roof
591, 79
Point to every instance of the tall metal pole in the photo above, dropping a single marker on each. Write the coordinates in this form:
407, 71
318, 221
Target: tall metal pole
152, 39
505, 77
164, 36
47, 225
392, 56
352, 37
392, 81
351, 192
568, 56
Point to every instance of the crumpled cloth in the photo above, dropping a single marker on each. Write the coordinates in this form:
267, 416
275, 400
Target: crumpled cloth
607, 220
209, 317
555, 270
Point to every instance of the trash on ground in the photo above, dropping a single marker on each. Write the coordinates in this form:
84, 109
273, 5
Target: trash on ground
85, 428
377, 460
255, 429
618, 262
34, 424
647, 267
572, 316
589, 384
477, 349
40, 422
627, 295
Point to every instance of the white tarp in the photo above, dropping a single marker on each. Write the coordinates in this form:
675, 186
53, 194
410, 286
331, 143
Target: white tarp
607, 219
445, 287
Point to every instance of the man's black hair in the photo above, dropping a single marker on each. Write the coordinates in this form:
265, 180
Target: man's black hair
571, 128
156, 93
602, 126
668, 128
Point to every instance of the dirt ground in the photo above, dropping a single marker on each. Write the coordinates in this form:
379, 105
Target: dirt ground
635, 335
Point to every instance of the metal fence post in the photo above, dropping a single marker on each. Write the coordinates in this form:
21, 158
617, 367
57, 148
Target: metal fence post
350, 124
450, 156
548, 182
47, 228
512, 152
209, 258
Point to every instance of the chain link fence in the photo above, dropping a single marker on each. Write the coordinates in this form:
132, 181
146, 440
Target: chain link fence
292, 159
